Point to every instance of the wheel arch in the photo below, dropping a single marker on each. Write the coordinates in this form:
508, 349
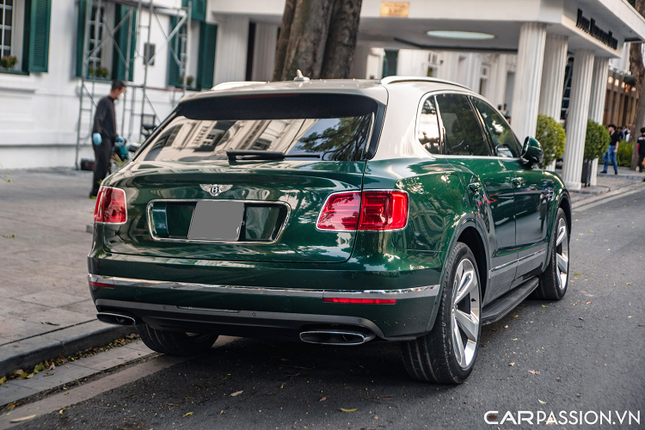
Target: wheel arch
471, 233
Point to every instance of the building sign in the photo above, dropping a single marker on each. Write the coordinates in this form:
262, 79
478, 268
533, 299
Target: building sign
395, 8
588, 25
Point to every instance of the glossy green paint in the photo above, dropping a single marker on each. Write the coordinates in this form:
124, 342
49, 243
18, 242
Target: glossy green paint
442, 203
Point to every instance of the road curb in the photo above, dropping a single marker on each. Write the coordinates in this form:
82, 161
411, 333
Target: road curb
607, 195
26, 353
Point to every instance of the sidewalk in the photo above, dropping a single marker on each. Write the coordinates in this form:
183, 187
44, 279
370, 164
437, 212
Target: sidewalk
46, 310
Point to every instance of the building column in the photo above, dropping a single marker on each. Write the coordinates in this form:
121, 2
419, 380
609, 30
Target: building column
577, 117
231, 51
597, 101
498, 80
266, 39
555, 63
526, 95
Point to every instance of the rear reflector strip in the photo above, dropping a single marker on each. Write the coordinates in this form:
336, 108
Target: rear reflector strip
100, 285
360, 301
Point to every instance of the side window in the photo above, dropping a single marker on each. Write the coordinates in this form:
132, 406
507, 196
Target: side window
462, 131
428, 130
503, 139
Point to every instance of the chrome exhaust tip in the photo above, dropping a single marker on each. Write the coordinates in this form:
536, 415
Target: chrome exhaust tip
336, 337
116, 319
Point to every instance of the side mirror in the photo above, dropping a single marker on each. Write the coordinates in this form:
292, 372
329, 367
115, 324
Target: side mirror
532, 152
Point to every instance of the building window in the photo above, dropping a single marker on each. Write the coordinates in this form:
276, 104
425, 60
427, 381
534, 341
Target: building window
24, 35
6, 27
95, 42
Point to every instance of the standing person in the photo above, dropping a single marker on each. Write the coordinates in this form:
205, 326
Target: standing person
641, 149
613, 148
104, 135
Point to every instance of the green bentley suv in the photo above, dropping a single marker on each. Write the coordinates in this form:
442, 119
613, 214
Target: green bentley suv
330, 212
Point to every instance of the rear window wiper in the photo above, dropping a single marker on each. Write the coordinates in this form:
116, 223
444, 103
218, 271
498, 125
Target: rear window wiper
264, 155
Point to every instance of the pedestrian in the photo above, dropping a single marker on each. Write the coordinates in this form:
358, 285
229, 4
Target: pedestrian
641, 149
610, 156
627, 132
104, 135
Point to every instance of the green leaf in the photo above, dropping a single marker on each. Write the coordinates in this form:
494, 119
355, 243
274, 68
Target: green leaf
349, 410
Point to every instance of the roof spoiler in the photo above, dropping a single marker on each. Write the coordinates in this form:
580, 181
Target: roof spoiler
397, 79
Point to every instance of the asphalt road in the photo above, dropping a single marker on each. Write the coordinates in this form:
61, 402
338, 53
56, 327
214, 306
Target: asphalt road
580, 356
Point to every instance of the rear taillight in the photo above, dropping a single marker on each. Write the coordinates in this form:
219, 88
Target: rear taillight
110, 206
367, 210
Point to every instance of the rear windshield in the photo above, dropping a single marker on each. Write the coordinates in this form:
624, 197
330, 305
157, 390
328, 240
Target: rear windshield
333, 127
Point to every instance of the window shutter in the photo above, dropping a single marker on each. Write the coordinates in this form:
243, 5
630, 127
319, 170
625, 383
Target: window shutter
198, 9
39, 16
206, 62
173, 67
121, 39
80, 36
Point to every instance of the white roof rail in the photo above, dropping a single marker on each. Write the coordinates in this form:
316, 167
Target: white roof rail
395, 79
229, 85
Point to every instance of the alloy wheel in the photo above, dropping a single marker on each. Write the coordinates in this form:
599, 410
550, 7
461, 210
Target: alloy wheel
562, 254
465, 313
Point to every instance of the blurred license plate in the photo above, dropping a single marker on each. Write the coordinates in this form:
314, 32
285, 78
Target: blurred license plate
218, 221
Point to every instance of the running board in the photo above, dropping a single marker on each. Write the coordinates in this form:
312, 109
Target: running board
497, 309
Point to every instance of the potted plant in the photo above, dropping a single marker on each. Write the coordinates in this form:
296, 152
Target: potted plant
552, 137
596, 141
8, 62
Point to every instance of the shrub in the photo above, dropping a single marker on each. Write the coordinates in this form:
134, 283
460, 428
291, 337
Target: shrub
552, 137
624, 155
8, 62
596, 140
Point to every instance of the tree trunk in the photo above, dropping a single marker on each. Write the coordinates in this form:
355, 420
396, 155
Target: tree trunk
341, 41
283, 39
318, 37
638, 70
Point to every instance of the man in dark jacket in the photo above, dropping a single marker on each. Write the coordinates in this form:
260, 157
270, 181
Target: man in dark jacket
641, 149
612, 152
104, 135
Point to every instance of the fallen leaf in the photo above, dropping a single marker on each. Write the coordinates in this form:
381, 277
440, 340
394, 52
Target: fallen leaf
62, 410
514, 339
590, 231
505, 326
237, 393
3, 380
511, 364
19, 420
222, 412
588, 303
322, 399
544, 306
171, 404
534, 372
629, 283
39, 368
188, 414
577, 274
544, 403
629, 317
515, 316
349, 410
581, 319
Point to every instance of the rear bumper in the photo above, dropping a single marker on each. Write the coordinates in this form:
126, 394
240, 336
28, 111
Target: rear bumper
262, 311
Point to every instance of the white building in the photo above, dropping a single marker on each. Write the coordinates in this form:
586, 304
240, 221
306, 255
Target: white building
519, 59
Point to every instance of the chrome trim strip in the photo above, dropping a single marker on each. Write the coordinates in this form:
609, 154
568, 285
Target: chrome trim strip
404, 293
244, 242
512, 264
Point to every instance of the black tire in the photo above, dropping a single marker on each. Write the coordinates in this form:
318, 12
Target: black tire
175, 342
433, 357
555, 279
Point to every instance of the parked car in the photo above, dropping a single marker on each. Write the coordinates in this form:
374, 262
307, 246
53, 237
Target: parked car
331, 212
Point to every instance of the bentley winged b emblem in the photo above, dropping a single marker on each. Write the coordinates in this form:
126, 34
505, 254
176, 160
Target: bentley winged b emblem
215, 189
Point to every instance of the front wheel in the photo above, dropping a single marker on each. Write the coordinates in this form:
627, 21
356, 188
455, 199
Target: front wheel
175, 342
447, 354
555, 279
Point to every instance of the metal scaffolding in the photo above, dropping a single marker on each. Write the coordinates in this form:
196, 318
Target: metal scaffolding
97, 35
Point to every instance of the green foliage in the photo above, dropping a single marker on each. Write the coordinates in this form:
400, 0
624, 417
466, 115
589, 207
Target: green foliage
624, 155
98, 72
8, 62
552, 137
596, 140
